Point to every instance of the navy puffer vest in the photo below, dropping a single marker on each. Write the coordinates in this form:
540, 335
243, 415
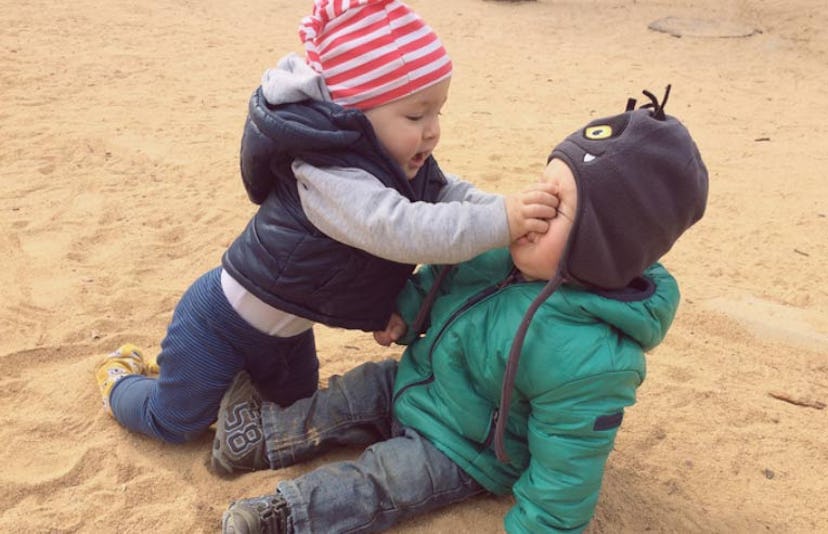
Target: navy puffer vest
281, 257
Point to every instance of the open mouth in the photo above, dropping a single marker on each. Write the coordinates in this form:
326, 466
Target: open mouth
419, 158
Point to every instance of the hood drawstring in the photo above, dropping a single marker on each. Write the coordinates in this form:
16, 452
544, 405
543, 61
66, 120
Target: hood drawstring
512, 365
418, 326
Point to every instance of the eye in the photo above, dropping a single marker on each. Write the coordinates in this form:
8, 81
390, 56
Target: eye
606, 128
598, 132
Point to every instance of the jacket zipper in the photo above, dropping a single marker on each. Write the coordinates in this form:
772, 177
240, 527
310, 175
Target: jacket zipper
492, 425
471, 301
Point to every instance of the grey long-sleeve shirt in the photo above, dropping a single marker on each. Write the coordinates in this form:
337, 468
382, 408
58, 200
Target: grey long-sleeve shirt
355, 208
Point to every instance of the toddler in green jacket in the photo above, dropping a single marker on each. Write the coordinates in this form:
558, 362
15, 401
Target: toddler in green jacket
528, 359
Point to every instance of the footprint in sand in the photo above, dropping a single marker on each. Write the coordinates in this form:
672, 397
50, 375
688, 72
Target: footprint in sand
776, 321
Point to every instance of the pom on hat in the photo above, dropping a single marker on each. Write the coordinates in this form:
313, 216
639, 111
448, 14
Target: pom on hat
371, 52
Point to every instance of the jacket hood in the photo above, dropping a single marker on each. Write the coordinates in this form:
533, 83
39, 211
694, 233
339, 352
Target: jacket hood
291, 117
639, 312
292, 110
291, 81
305, 126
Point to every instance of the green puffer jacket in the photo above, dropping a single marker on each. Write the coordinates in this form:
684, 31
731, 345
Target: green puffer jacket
581, 363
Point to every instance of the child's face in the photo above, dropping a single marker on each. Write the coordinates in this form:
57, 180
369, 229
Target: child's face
537, 256
409, 128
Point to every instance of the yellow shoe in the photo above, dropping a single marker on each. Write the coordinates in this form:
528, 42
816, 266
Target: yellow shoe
127, 360
151, 366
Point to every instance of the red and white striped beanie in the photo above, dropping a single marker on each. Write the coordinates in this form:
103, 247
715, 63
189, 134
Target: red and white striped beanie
371, 52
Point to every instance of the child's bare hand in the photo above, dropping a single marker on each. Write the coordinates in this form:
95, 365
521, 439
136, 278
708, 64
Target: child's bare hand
530, 210
394, 330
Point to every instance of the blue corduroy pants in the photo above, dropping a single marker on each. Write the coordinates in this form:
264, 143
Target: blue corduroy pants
206, 345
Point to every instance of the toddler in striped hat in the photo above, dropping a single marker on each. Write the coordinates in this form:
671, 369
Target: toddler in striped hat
337, 153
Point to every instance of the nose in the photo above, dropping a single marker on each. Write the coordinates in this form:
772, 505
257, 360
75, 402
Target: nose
432, 128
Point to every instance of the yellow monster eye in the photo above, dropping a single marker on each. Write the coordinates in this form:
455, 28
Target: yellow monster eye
596, 133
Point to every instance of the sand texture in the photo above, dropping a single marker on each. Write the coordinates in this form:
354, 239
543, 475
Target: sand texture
120, 124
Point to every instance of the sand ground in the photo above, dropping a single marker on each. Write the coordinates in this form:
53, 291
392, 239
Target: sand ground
120, 124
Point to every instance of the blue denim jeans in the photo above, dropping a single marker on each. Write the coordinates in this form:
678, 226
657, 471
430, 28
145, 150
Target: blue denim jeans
400, 475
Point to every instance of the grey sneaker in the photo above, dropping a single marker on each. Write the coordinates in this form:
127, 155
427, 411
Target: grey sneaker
239, 442
267, 515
